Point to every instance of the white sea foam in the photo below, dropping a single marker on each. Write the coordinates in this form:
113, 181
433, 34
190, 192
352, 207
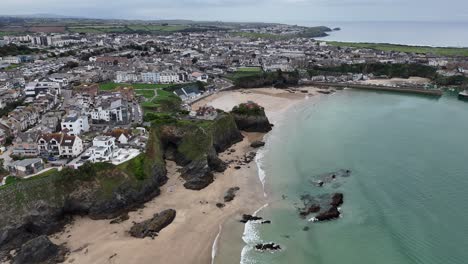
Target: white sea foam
251, 237
214, 248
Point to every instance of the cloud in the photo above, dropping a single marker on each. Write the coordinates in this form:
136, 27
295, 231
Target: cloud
246, 10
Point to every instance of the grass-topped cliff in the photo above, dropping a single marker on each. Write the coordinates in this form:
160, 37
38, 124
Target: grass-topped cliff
440, 51
41, 204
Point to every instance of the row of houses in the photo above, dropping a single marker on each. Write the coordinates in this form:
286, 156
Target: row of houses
159, 77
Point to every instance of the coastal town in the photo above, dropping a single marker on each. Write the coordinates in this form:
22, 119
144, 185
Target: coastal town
77, 97
110, 130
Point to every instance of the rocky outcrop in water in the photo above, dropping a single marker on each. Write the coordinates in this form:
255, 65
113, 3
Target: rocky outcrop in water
246, 218
332, 212
151, 227
268, 247
40, 250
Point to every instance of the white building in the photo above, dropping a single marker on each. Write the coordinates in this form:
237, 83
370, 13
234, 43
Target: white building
75, 125
150, 77
11, 59
168, 77
198, 76
122, 77
108, 111
71, 146
102, 149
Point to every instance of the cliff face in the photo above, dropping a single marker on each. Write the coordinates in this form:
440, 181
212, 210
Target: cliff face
194, 145
251, 117
253, 123
42, 205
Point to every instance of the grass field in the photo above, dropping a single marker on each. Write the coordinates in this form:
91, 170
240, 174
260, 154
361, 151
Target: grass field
125, 28
402, 48
249, 69
244, 72
149, 93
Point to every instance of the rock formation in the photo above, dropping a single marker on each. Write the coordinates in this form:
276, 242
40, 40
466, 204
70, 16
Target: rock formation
251, 117
151, 227
40, 250
230, 194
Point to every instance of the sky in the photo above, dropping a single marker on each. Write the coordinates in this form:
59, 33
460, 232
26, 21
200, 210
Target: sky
282, 11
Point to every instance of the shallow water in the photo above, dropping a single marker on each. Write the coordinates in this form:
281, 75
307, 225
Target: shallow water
405, 201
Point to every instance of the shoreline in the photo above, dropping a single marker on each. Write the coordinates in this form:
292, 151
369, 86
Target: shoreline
197, 219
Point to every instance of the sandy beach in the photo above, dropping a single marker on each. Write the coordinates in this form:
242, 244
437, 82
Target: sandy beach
189, 239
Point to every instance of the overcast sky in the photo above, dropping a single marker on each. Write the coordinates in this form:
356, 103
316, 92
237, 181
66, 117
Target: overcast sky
287, 11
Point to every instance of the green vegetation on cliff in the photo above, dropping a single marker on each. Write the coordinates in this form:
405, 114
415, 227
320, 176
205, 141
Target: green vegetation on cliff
250, 79
441, 51
391, 70
380, 69
307, 32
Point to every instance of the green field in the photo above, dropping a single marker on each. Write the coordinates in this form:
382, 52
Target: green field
402, 48
147, 93
244, 72
249, 69
125, 28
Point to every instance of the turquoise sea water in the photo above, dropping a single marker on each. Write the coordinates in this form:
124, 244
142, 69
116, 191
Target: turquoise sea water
406, 200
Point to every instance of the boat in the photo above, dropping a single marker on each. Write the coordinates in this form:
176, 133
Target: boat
463, 95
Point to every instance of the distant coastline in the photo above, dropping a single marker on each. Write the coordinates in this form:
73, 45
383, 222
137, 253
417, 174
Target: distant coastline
413, 33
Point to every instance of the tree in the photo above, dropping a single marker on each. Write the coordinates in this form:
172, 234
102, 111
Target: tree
194, 60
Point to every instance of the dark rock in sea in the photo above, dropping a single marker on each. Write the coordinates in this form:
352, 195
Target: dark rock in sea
330, 214
314, 208
230, 194
40, 250
266, 222
306, 228
337, 199
220, 205
257, 144
246, 218
151, 227
267, 247
337, 29
124, 217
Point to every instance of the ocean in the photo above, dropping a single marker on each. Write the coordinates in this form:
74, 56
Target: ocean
405, 201
427, 33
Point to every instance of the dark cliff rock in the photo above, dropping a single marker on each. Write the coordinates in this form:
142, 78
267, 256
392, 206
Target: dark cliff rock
194, 146
151, 227
253, 123
251, 117
40, 250
197, 175
100, 190
257, 144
